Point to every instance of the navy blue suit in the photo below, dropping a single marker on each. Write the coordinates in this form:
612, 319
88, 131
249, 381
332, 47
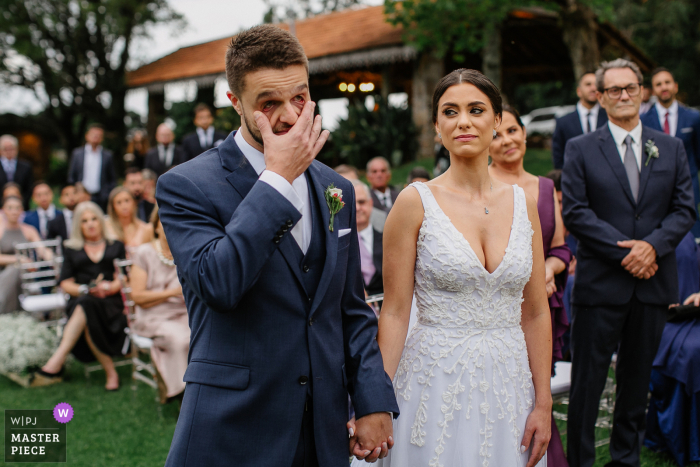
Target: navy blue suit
32, 218
265, 336
612, 310
569, 126
688, 131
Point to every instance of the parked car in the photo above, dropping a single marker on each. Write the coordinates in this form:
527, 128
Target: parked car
543, 121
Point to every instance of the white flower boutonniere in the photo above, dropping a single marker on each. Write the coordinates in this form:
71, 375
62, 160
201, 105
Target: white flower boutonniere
651, 150
334, 199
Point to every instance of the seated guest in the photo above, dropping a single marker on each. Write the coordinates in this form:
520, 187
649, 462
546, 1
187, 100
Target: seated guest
378, 217
133, 182
12, 232
371, 250
166, 154
673, 418
205, 137
60, 226
122, 223
95, 328
13, 170
12, 189
418, 174
379, 176
148, 197
137, 149
45, 209
160, 310
81, 194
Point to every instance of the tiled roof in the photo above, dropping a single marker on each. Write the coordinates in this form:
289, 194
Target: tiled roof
322, 35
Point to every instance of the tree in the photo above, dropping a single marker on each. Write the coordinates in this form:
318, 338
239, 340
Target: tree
283, 10
73, 54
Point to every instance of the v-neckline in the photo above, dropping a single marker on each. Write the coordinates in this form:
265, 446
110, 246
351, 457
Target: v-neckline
469, 246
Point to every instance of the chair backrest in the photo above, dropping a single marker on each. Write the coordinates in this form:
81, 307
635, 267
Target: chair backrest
40, 265
123, 268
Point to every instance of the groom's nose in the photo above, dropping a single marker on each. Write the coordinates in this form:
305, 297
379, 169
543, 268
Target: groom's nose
289, 114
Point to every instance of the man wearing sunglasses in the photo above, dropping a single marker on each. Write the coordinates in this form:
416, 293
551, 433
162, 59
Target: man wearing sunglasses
628, 199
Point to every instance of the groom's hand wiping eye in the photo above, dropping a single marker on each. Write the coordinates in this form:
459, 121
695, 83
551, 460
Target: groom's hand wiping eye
289, 155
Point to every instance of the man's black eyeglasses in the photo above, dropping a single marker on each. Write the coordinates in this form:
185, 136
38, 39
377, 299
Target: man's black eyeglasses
615, 92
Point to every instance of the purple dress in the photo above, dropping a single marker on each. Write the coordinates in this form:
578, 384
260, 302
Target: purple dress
560, 323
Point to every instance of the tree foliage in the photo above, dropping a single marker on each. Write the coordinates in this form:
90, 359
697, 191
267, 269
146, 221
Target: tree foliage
283, 10
73, 54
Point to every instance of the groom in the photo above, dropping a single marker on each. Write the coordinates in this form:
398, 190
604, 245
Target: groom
272, 280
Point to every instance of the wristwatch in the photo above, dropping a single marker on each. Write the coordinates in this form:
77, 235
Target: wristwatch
83, 289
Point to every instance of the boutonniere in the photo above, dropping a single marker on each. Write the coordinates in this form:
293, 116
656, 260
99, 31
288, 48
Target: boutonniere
334, 199
651, 150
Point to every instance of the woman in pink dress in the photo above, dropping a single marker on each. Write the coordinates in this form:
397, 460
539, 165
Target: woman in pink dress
160, 310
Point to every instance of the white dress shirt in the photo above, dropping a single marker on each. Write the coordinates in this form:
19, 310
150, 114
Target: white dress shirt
672, 116
619, 135
206, 137
384, 198
367, 237
166, 155
297, 193
44, 217
592, 116
68, 217
92, 169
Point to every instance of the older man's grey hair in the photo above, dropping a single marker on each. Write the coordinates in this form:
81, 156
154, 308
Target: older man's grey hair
379, 158
358, 183
618, 63
11, 139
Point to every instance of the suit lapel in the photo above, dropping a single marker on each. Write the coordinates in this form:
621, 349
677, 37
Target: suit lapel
578, 122
653, 119
646, 168
680, 123
609, 149
319, 184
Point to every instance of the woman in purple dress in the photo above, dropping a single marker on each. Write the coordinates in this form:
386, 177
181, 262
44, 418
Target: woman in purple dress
507, 155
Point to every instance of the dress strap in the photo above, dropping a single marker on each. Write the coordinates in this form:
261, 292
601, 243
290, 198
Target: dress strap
426, 196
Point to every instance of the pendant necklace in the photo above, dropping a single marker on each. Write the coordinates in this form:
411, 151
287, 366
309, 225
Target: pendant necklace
486, 210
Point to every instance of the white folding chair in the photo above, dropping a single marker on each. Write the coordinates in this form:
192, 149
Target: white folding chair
375, 301
40, 267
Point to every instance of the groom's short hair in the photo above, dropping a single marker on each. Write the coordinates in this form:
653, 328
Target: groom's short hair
264, 46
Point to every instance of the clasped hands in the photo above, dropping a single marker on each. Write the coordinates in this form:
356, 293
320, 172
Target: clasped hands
641, 260
371, 436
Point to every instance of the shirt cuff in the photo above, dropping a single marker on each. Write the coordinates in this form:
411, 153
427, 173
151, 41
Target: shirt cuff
284, 188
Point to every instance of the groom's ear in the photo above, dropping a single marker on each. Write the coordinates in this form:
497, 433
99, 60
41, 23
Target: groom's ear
235, 102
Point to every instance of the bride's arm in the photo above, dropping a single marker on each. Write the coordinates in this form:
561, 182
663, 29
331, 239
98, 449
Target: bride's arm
400, 237
537, 327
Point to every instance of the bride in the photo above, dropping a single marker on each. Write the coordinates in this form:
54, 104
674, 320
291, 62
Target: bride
473, 378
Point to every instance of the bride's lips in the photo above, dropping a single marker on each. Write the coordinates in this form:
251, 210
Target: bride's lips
465, 138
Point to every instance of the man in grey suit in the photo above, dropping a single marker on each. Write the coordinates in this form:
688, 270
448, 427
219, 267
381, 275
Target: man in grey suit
628, 199
93, 166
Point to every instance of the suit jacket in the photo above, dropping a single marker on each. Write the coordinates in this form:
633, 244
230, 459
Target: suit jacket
599, 210
687, 130
32, 218
108, 177
376, 284
56, 227
255, 334
393, 193
192, 146
569, 126
23, 177
154, 163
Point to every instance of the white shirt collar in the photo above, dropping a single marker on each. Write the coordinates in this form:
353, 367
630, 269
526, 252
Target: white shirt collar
255, 157
661, 110
582, 111
619, 134
51, 211
88, 150
367, 236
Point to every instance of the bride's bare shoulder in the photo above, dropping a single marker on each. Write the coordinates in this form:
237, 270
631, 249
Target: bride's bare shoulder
408, 208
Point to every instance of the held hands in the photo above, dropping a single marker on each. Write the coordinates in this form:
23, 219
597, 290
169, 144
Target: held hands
291, 154
371, 436
538, 431
641, 260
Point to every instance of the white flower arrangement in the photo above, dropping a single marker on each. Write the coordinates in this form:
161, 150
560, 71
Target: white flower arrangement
25, 344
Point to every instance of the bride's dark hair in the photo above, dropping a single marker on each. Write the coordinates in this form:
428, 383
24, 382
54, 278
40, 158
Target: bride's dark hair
473, 77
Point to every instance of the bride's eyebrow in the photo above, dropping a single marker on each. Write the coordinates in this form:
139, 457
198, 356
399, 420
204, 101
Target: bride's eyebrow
471, 104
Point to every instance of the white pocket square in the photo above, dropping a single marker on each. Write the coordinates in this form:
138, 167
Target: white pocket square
687, 130
343, 232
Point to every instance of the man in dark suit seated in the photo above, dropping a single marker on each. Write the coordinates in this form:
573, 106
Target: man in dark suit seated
205, 137
370, 241
61, 225
628, 199
166, 154
675, 119
93, 166
379, 176
587, 117
45, 210
15, 170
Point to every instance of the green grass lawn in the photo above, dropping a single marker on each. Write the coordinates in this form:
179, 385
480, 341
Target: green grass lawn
129, 428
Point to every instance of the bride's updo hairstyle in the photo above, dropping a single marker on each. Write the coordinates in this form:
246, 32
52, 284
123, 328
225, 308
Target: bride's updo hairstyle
476, 79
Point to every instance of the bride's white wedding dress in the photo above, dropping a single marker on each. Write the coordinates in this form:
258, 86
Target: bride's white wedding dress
463, 384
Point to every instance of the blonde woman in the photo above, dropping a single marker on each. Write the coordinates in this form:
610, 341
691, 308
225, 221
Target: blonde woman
123, 223
95, 328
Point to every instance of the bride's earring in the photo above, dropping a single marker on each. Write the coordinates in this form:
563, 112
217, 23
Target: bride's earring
494, 133
440, 135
